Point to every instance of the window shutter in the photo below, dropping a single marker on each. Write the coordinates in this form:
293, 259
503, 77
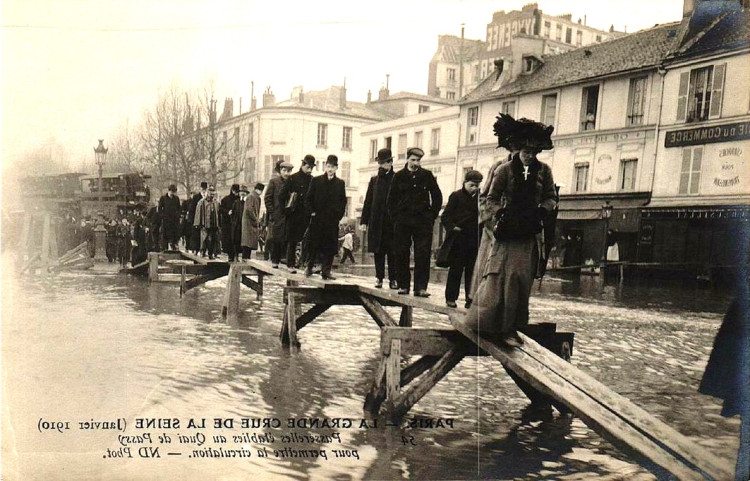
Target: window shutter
269, 167
682, 97
716, 91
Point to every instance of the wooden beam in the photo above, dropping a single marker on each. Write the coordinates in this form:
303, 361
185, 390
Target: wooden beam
423, 342
210, 275
310, 315
31, 262
46, 239
659, 431
604, 421
414, 370
401, 404
257, 286
153, 266
376, 311
393, 374
291, 319
376, 395
318, 295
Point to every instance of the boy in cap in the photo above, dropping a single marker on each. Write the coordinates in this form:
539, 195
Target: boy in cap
326, 203
414, 202
377, 222
169, 213
460, 219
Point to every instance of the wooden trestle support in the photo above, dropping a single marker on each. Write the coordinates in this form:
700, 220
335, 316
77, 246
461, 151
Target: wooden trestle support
539, 367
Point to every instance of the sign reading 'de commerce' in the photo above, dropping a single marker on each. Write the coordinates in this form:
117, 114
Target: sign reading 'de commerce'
708, 135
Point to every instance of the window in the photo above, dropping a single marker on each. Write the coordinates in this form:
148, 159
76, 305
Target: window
250, 170
627, 173
250, 135
636, 100
579, 38
509, 108
223, 146
558, 32
549, 108
346, 168
450, 95
528, 64
473, 116
452, 74
598, 38
271, 161
402, 146
424, 108
373, 149
322, 135
589, 102
418, 139
546, 29
466, 170
236, 139
435, 142
346, 139
690, 173
388, 143
581, 176
568, 35
700, 93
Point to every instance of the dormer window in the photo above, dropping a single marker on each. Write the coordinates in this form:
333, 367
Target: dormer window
530, 64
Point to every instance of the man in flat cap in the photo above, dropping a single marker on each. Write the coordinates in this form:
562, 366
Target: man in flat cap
414, 202
292, 197
326, 203
378, 223
275, 213
169, 213
225, 208
460, 219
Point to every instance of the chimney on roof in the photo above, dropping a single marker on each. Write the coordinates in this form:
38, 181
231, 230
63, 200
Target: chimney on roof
269, 99
369, 96
342, 96
228, 111
253, 104
239, 112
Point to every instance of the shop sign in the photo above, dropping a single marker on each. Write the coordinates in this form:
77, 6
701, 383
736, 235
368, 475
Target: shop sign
708, 135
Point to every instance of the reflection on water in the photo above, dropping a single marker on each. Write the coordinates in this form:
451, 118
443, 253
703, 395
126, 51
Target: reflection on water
97, 346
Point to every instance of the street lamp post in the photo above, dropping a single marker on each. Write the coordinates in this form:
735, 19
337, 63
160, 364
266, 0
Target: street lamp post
100, 232
606, 214
100, 153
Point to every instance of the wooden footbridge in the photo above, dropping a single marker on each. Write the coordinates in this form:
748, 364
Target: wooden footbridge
540, 367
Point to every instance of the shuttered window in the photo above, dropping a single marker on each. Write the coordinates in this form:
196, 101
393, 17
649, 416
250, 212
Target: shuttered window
700, 93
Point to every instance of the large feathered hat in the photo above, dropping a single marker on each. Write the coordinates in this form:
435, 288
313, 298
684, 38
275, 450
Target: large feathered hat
522, 133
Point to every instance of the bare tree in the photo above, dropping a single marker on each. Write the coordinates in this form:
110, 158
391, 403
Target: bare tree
125, 151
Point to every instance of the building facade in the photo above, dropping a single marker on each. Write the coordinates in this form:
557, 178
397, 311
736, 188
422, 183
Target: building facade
701, 185
455, 67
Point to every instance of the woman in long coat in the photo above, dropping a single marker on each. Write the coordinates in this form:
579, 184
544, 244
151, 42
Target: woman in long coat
251, 222
521, 193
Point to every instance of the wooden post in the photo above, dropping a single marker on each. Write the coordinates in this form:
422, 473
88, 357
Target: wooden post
622, 273
183, 278
25, 245
153, 266
45, 241
232, 295
53, 250
406, 316
291, 318
393, 374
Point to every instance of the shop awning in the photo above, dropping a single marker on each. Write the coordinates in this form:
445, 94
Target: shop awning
625, 208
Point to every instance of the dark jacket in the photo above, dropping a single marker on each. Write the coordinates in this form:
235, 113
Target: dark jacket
462, 211
225, 206
274, 215
297, 219
169, 213
327, 200
375, 212
414, 197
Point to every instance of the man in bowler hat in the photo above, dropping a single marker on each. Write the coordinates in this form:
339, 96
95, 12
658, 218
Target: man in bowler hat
326, 203
377, 222
292, 198
414, 202
225, 219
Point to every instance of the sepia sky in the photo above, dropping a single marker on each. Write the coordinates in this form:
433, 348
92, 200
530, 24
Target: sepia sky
77, 70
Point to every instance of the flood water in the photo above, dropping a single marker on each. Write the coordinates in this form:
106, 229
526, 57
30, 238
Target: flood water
96, 346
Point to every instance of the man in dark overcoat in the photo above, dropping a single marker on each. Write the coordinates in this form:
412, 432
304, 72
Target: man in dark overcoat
195, 237
376, 220
414, 202
153, 223
225, 206
326, 203
235, 217
169, 213
293, 192
275, 213
461, 221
